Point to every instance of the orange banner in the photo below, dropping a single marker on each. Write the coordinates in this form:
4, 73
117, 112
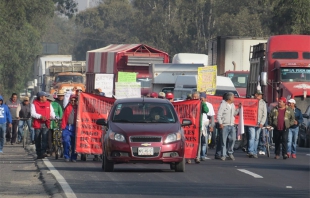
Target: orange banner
190, 109
88, 134
250, 109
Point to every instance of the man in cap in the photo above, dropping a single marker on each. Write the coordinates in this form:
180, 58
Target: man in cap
60, 98
294, 129
41, 111
162, 95
281, 118
24, 112
5, 118
254, 131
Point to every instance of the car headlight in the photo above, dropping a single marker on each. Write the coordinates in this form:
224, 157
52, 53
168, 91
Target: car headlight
172, 137
117, 137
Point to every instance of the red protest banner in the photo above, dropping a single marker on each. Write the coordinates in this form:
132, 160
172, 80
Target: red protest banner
88, 134
190, 109
250, 109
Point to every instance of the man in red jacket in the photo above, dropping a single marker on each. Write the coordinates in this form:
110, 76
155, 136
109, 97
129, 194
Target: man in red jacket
68, 129
41, 111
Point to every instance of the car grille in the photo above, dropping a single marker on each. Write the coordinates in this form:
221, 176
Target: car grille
135, 152
145, 139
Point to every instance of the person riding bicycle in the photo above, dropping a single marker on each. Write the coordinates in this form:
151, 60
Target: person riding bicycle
24, 112
68, 129
41, 111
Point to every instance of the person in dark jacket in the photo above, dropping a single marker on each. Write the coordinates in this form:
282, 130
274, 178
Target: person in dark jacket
293, 130
5, 118
25, 118
60, 98
13, 103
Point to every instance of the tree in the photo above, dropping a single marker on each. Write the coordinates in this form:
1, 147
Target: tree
66, 7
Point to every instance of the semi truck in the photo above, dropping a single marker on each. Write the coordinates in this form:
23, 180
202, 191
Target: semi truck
116, 58
231, 55
281, 68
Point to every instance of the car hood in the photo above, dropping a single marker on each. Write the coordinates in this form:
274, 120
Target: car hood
144, 128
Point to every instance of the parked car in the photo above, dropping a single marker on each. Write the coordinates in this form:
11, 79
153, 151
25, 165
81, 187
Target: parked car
304, 130
143, 130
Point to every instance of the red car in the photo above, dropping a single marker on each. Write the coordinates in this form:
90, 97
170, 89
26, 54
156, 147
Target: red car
143, 130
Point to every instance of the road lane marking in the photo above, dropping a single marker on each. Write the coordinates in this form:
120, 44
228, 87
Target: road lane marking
289, 187
61, 180
250, 173
308, 154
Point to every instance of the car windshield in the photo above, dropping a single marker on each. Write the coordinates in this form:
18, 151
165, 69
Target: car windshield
295, 74
144, 112
69, 78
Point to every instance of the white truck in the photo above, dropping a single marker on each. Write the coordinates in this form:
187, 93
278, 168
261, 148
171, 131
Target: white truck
190, 58
164, 75
41, 69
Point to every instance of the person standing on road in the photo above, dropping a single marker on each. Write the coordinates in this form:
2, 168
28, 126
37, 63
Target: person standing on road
294, 129
5, 118
24, 112
207, 126
60, 98
68, 129
13, 103
254, 132
41, 111
203, 109
226, 119
281, 118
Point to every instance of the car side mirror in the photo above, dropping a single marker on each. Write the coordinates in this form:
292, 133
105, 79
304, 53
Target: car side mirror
101, 122
305, 115
186, 122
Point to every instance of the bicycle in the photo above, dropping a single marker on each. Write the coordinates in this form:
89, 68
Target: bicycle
26, 134
267, 139
57, 146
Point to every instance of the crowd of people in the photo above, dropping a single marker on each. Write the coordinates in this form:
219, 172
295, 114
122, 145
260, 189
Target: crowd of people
46, 112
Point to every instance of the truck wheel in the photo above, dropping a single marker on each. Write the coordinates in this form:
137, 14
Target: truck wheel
107, 165
180, 166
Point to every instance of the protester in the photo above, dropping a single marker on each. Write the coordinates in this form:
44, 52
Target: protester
162, 95
68, 127
13, 103
254, 132
41, 111
58, 114
281, 118
169, 96
24, 112
189, 97
207, 127
204, 109
154, 95
226, 119
294, 129
60, 98
5, 118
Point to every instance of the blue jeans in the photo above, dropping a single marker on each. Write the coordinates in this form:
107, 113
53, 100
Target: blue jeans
230, 133
2, 135
21, 129
262, 140
68, 141
205, 142
218, 148
292, 140
41, 139
254, 134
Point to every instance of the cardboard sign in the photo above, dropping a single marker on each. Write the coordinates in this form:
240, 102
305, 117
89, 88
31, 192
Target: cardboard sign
88, 134
250, 109
207, 79
127, 77
105, 83
190, 109
127, 90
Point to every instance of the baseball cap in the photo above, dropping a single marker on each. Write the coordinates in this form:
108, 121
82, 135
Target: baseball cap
42, 93
203, 95
51, 98
283, 99
169, 96
154, 95
26, 98
259, 92
161, 95
292, 101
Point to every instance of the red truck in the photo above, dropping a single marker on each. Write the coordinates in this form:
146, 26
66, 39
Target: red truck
116, 58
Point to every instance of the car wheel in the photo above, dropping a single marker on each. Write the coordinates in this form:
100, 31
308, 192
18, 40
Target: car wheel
107, 165
180, 166
83, 157
172, 166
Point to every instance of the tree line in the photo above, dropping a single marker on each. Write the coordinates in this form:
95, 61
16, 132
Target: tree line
173, 26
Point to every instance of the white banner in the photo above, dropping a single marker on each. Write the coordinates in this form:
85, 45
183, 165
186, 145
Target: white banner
241, 122
127, 90
105, 83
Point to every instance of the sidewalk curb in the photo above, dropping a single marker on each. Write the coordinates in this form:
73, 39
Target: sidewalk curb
51, 185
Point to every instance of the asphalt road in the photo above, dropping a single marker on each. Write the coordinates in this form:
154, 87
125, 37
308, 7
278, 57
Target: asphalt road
210, 178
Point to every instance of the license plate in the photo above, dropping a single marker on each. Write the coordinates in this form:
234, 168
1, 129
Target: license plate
145, 151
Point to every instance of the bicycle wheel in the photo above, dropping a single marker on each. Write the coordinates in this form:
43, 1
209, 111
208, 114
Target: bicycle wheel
56, 151
267, 146
25, 135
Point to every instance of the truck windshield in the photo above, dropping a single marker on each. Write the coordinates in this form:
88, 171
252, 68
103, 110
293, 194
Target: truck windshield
285, 55
306, 55
239, 79
69, 78
295, 75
